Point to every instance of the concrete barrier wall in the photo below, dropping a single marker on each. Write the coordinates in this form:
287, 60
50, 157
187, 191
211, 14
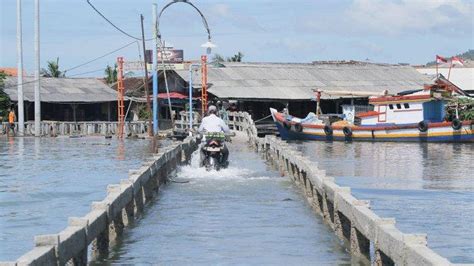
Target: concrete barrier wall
108, 218
369, 237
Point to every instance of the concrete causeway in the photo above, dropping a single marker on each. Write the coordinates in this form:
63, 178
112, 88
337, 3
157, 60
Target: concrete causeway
368, 237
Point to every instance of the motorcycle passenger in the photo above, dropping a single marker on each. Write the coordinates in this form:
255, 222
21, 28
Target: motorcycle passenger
213, 124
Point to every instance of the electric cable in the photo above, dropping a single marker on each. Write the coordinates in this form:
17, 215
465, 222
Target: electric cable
100, 57
113, 25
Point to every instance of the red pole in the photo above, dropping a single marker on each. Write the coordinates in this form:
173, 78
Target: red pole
120, 92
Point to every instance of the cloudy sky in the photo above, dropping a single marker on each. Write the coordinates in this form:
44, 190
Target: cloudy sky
391, 31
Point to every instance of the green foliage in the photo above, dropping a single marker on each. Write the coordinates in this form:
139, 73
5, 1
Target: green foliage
110, 74
465, 107
236, 58
218, 58
53, 70
143, 114
4, 99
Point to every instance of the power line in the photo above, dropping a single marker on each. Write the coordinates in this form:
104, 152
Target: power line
113, 25
88, 72
100, 57
77, 66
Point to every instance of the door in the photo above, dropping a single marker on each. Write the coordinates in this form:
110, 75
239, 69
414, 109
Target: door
382, 113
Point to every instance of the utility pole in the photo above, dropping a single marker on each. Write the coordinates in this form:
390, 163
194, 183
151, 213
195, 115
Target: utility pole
37, 71
155, 71
19, 48
147, 95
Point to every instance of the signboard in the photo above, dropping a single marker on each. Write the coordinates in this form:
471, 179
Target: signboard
171, 56
138, 66
133, 66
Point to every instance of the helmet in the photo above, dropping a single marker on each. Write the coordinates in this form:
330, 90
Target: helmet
212, 109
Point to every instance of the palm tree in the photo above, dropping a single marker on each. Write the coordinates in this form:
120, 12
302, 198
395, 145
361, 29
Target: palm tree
111, 74
53, 70
218, 58
236, 58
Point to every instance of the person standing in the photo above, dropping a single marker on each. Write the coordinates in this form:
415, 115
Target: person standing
11, 122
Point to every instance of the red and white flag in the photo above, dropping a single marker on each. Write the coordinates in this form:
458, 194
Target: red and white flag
440, 59
457, 61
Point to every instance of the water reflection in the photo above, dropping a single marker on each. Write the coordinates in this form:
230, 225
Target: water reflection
428, 187
235, 216
45, 180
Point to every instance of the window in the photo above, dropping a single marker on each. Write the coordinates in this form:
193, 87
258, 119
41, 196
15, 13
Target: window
390, 106
399, 106
406, 105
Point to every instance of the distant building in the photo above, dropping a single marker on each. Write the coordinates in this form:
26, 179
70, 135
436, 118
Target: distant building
258, 86
11, 71
67, 99
462, 77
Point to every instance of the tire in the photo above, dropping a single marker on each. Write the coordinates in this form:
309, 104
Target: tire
423, 126
286, 125
347, 132
298, 127
328, 130
456, 124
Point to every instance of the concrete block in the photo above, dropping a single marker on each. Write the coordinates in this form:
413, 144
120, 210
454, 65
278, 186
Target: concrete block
343, 202
415, 239
78, 221
99, 205
330, 188
423, 256
8, 263
97, 220
46, 240
390, 241
44, 255
364, 220
72, 241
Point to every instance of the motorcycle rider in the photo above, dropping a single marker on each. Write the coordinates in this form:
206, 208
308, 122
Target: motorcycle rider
213, 124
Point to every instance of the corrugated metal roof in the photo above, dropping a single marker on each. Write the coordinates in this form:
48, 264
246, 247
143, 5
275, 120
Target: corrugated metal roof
461, 77
70, 90
297, 81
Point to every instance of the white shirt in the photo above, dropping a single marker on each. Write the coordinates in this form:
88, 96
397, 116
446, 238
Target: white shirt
212, 123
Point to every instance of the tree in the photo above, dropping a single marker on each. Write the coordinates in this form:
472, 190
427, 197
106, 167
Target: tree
110, 74
4, 99
236, 58
53, 70
218, 58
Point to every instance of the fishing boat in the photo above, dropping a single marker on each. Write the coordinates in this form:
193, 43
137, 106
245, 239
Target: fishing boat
413, 116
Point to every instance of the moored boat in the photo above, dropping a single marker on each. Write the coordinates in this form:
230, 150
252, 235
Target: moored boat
415, 117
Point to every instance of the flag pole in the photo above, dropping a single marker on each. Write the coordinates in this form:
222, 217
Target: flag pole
450, 66
436, 60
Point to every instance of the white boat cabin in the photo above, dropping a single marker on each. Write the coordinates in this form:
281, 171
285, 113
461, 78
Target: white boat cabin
404, 109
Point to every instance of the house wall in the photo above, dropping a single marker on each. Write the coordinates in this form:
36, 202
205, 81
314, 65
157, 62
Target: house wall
64, 111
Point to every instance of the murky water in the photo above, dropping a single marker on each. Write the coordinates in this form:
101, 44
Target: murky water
427, 187
246, 214
43, 181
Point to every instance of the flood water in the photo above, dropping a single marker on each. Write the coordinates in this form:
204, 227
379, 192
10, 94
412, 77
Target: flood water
427, 187
246, 214
43, 181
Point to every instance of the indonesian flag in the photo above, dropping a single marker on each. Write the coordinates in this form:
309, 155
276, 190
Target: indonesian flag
457, 61
440, 59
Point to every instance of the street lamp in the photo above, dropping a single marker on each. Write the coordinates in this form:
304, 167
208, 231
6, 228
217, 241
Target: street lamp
157, 37
208, 45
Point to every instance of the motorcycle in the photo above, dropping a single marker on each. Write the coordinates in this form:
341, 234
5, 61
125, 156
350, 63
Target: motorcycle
212, 150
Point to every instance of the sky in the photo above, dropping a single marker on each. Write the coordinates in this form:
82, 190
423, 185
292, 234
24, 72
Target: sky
390, 31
